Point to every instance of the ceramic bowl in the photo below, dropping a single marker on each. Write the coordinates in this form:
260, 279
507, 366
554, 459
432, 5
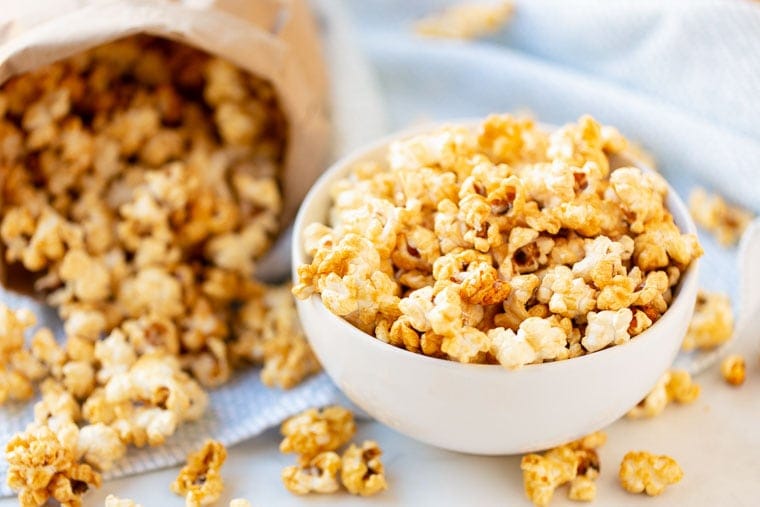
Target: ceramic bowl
486, 409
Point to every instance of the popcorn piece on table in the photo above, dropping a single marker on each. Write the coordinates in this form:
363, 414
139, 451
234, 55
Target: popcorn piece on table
576, 463
673, 385
41, 467
712, 323
318, 474
466, 20
315, 431
362, 472
200, 480
643, 472
727, 222
734, 369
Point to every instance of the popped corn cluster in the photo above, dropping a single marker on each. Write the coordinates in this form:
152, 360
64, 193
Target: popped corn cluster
673, 386
643, 472
727, 222
200, 480
44, 466
576, 463
139, 183
734, 369
466, 20
316, 435
712, 323
504, 244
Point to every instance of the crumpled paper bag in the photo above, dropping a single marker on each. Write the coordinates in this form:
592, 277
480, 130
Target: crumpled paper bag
274, 39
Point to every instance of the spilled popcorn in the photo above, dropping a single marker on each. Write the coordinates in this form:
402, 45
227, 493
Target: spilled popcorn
466, 20
643, 472
315, 435
727, 222
673, 386
139, 184
576, 463
200, 480
499, 244
734, 369
712, 323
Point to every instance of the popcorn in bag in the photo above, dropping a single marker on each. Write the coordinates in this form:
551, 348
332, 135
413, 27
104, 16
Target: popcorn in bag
151, 152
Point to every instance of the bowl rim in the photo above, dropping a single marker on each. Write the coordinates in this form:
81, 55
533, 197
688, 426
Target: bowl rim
340, 168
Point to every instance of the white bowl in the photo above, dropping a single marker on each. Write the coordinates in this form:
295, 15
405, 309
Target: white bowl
485, 409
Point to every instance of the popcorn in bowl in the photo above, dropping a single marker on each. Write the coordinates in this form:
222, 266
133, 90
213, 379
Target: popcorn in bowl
503, 244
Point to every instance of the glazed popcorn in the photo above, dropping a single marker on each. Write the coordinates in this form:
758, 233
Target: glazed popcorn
315, 431
41, 467
200, 480
318, 474
362, 472
673, 386
712, 323
576, 463
19, 366
152, 399
466, 20
140, 184
643, 472
269, 332
734, 369
727, 222
499, 244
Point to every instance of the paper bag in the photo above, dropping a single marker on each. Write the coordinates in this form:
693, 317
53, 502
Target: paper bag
274, 39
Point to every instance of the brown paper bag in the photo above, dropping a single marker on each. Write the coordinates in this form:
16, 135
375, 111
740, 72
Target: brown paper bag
273, 39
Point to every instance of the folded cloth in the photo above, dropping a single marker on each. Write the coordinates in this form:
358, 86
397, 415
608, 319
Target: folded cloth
680, 78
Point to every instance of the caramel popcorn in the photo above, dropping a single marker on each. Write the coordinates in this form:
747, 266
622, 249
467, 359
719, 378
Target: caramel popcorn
643, 472
576, 463
362, 472
318, 474
315, 431
100, 446
19, 368
140, 184
712, 323
269, 332
673, 386
734, 369
153, 397
727, 222
200, 480
499, 244
41, 467
466, 20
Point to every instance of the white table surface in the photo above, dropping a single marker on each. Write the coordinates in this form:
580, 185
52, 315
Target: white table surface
716, 440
